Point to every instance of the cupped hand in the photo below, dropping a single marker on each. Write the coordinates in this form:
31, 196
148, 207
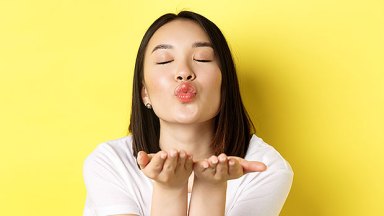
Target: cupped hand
218, 169
170, 169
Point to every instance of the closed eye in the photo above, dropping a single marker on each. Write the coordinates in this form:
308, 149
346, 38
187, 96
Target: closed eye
164, 62
202, 60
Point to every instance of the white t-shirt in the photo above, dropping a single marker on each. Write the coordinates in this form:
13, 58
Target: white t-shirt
115, 184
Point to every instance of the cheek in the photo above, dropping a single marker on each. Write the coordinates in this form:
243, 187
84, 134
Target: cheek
211, 83
214, 80
153, 77
217, 85
156, 84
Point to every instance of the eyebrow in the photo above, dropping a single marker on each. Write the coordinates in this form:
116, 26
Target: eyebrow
194, 45
162, 46
202, 44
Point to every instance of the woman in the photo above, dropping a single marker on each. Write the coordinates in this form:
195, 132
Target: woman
191, 151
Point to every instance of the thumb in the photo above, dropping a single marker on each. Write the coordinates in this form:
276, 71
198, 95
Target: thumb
252, 166
142, 159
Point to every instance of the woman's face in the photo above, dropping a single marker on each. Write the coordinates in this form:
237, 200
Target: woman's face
182, 78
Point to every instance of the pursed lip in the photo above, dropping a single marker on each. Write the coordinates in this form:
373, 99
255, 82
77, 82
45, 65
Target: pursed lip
185, 92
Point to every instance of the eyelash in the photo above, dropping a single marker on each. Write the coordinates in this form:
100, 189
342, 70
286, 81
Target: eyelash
198, 60
202, 60
165, 62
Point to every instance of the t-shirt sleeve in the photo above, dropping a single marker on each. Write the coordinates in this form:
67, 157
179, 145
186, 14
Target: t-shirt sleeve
263, 193
106, 194
265, 197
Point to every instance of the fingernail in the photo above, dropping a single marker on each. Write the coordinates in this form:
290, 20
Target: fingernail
173, 153
215, 161
190, 158
222, 158
265, 167
182, 154
231, 162
163, 155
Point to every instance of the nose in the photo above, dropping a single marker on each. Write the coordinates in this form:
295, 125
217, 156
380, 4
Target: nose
185, 74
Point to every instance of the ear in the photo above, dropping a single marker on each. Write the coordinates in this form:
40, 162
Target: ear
144, 95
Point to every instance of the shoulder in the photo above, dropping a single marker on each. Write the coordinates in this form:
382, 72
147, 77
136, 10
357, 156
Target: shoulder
113, 148
262, 193
111, 156
278, 177
259, 150
114, 183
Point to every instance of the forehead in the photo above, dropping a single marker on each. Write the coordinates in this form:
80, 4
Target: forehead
180, 31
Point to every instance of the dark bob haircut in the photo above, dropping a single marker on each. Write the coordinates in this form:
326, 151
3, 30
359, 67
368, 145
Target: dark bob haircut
232, 126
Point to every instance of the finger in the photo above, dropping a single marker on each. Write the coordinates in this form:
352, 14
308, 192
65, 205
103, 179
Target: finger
142, 159
200, 166
171, 162
151, 156
213, 161
222, 166
253, 166
182, 160
235, 170
188, 163
157, 162
250, 166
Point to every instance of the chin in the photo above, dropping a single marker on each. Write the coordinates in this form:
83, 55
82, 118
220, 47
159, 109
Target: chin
187, 120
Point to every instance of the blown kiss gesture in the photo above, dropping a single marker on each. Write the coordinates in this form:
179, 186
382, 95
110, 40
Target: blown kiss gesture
174, 168
171, 173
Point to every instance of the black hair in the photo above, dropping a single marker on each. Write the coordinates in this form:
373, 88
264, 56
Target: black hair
232, 126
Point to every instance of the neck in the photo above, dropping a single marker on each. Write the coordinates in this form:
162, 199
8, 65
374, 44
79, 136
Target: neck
194, 139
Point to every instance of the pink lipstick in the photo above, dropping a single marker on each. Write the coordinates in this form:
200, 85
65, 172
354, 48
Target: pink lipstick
185, 92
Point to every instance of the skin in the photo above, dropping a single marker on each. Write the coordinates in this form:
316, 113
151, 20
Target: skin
180, 52
186, 126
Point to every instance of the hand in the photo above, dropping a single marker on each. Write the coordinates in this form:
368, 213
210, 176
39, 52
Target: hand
168, 169
249, 166
222, 168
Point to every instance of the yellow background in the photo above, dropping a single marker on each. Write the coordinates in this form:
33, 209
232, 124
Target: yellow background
311, 74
